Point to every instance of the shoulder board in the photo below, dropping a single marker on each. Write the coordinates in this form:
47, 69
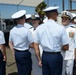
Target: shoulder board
73, 26
30, 27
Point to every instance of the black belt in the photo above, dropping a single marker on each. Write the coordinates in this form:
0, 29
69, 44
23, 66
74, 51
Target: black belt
51, 52
21, 50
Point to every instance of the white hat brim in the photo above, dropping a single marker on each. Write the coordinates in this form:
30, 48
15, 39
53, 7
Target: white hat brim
28, 16
18, 14
50, 8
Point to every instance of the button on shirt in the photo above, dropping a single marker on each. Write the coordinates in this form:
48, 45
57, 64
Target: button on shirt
51, 36
21, 37
2, 40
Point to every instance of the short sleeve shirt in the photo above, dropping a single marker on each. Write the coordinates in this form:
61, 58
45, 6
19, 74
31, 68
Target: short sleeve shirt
51, 36
21, 37
2, 39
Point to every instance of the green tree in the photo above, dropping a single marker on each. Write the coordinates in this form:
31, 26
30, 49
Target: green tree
39, 9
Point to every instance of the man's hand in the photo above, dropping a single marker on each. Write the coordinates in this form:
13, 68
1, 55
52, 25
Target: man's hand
40, 63
4, 58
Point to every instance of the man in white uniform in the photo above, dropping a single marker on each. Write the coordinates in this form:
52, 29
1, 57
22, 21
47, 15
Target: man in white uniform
74, 22
2, 54
28, 23
68, 56
36, 69
53, 39
20, 40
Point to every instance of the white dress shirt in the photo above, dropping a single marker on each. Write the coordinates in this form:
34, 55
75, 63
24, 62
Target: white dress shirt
51, 36
2, 39
21, 37
32, 50
71, 31
27, 25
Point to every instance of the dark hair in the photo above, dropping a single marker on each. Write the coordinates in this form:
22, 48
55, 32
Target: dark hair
37, 18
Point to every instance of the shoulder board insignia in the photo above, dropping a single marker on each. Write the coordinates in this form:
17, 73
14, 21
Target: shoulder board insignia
73, 26
30, 27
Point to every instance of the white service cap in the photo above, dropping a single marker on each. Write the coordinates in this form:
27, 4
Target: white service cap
28, 16
66, 14
18, 14
45, 20
37, 16
74, 15
51, 8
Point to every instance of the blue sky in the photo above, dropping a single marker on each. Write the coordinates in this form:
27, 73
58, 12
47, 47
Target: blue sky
7, 10
59, 3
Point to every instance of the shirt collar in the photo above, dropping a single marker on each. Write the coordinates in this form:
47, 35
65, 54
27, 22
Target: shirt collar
20, 25
50, 20
68, 25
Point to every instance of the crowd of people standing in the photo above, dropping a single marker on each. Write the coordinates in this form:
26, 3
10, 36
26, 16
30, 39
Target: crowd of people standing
41, 48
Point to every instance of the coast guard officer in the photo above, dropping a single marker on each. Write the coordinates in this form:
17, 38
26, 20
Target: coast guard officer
68, 56
20, 40
2, 55
36, 69
53, 39
28, 18
74, 22
28, 23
